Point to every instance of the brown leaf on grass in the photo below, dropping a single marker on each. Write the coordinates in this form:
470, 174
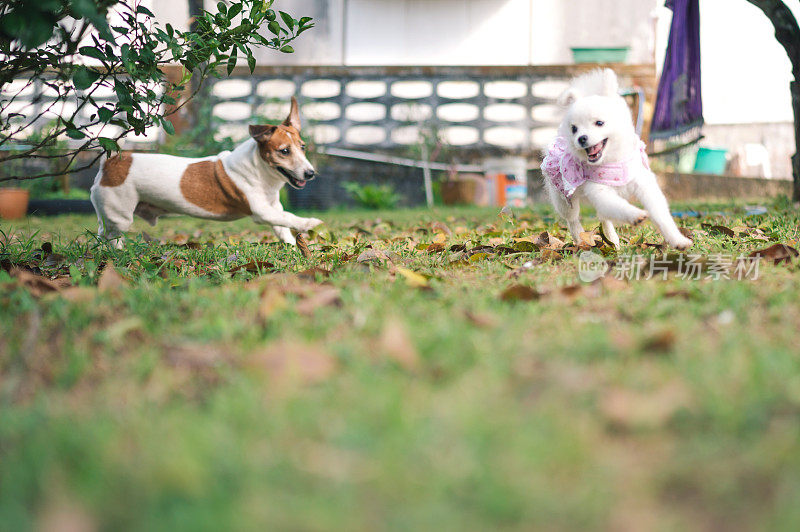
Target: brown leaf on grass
197, 359
412, 278
547, 241
718, 229
322, 296
626, 409
302, 245
110, 280
78, 294
441, 228
254, 266
440, 238
458, 247
777, 253
480, 319
396, 344
37, 285
371, 255
519, 292
549, 255
436, 247
688, 233
271, 301
293, 362
311, 274
661, 341
590, 239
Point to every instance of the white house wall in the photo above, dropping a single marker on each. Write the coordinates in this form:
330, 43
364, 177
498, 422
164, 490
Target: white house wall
452, 32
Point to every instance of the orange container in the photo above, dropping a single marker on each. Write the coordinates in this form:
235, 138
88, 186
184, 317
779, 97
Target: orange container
13, 203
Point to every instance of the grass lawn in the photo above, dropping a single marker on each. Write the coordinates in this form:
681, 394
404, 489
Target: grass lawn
401, 377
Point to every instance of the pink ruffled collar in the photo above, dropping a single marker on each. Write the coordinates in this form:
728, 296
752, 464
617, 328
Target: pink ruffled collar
567, 172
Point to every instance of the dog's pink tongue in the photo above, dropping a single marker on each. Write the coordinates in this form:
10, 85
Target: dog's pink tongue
594, 150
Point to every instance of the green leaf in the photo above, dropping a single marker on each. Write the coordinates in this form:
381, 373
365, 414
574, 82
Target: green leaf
107, 144
75, 133
91, 51
251, 62
232, 61
144, 11
105, 114
83, 78
234, 10
168, 127
274, 27
287, 19
287, 49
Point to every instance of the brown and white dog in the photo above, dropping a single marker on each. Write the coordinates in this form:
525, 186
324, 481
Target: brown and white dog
227, 186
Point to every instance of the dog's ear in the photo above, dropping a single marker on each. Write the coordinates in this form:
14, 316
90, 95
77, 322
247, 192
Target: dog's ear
293, 120
610, 83
568, 97
262, 133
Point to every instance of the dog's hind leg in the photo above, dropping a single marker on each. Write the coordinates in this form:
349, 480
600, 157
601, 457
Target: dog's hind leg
649, 193
568, 210
611, 206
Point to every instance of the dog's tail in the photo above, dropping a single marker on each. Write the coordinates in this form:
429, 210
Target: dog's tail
599, 82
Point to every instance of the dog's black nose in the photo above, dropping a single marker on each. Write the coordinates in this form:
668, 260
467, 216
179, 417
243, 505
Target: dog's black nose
310, 174
583, 139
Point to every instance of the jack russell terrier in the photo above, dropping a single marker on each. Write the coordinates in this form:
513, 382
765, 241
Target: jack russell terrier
228, 186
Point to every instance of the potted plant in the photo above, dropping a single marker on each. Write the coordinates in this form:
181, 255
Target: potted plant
13, 201
13, 195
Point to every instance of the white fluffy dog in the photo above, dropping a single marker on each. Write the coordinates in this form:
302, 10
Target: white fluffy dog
598, 157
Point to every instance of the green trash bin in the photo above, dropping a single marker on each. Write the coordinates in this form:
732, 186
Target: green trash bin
711, 161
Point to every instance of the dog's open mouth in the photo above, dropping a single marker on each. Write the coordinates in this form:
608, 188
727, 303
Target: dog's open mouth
293, 181
595, 152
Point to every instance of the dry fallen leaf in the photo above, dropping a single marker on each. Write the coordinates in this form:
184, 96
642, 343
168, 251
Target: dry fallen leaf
372, 254
254, 267
547, 241
628, 409
302, 245
37, 285
396, 344
272, 300
412, 278
777, 253
660, 342
293, 362
718, 229
323, 296
110, 280
519, 292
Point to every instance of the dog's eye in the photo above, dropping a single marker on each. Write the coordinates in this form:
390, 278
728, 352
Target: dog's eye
574, 130
303, 147
285, 151
599, 123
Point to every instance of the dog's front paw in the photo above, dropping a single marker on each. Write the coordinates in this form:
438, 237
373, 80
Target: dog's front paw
640, 219
310, 223
681, 244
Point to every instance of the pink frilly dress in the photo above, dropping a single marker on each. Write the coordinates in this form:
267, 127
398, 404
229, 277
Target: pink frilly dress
567, 172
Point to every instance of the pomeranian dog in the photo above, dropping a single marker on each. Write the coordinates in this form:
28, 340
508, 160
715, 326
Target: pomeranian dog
598, 157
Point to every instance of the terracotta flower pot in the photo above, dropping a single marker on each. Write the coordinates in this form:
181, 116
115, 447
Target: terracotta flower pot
13, 203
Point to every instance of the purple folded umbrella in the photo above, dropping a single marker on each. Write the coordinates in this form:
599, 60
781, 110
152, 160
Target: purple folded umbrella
679, 105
